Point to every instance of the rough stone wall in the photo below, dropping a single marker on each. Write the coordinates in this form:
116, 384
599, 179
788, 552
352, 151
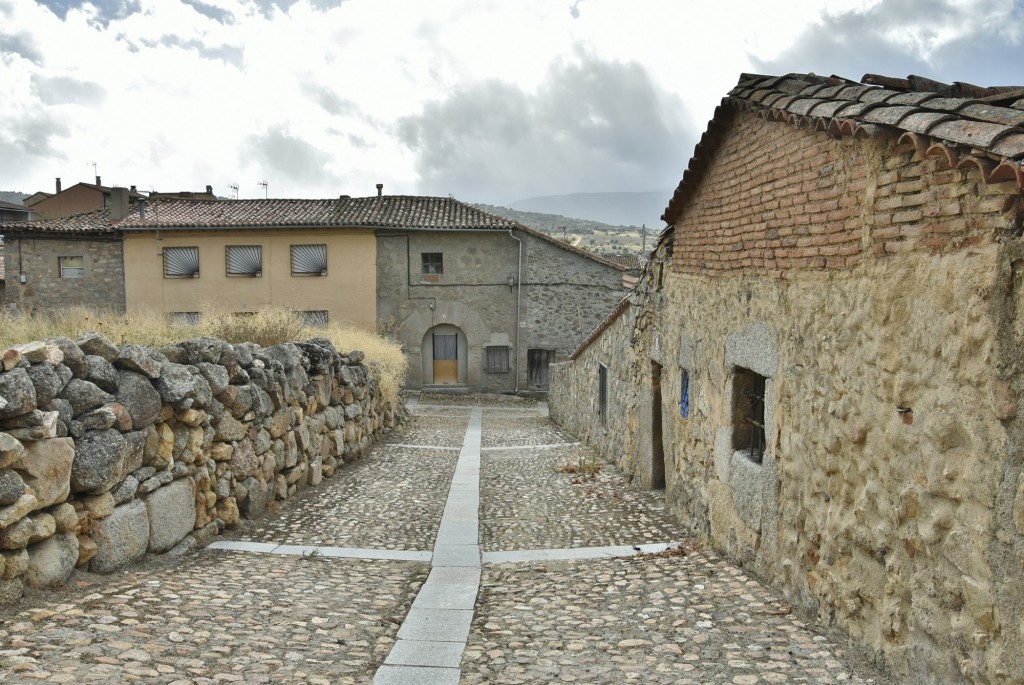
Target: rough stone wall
102, 286
108, 454
566, 296
889, 500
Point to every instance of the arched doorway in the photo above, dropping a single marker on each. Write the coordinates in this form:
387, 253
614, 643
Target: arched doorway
444, 354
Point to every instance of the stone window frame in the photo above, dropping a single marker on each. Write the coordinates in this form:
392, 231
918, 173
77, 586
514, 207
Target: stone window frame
497, 359
67, 271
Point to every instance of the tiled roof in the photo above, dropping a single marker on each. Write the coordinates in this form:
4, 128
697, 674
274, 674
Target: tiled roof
964, 123
94, 222
389, 211
630, 261
13, 206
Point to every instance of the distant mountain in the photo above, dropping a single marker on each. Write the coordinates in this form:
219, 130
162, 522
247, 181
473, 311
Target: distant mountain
12, 196
621, 209
554, 224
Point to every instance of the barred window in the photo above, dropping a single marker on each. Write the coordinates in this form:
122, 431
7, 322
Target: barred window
185, 318
181, 262
309, 260
684, 394
433, 262
498, 359
244, 260
72, 267
317, 317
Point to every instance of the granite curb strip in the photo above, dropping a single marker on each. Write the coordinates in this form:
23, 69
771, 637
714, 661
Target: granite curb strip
435, 631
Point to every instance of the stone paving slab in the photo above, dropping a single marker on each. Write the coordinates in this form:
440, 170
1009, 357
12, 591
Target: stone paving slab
528, 503
446, 430
392, 498
216, 618
501, 430
685, 620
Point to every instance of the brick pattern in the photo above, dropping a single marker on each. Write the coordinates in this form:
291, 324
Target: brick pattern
776, 198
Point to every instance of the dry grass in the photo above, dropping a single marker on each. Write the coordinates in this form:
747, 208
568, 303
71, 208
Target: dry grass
267, 327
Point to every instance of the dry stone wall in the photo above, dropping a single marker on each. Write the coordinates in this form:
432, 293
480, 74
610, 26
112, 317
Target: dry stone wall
107, 453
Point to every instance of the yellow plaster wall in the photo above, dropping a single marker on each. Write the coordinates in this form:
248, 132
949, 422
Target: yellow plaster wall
348, 292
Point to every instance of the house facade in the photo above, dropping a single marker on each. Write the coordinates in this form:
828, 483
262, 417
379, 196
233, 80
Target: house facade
479, 302
822, 363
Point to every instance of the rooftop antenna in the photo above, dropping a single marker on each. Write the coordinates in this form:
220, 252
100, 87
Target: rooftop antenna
93, 168
234, 189
263, 184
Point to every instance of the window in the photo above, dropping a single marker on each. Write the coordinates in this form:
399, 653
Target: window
185, 318
498, 359
181, 262
317, 318
72, 267
309, 260
684, 394
748, 413
433, 263
244, 260
602, 393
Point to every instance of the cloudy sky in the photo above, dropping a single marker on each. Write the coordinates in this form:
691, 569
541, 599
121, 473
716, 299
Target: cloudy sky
488, 100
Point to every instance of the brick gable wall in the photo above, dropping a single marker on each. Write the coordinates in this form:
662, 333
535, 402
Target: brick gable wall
777, 198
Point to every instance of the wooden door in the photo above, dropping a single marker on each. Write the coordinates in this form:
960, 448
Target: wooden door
446, 359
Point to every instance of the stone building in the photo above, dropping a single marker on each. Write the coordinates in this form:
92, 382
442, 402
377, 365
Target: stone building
480, 302
822, 363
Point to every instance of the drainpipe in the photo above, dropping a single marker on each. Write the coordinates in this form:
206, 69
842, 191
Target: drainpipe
519, 299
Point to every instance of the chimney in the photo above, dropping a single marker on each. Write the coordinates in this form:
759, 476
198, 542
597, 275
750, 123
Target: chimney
209, 190
118, 204
98, 181
58, 184
133, 191
380, 189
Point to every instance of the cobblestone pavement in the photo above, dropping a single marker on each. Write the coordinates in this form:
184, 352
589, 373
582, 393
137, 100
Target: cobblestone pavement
222, 617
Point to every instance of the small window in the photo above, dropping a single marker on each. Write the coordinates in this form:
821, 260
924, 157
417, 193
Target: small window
684, 394
72, 267
244, 260
309, 260
498, 359
316, 318
181, 262
433, 263
185, 318
748, 413
602, 393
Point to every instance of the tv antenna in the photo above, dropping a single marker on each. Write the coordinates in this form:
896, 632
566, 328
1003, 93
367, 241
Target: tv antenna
263, 184
234, 189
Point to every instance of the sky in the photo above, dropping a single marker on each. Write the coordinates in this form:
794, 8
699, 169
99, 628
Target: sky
485, 100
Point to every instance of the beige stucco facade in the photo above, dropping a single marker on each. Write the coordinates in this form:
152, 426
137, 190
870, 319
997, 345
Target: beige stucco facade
347, 292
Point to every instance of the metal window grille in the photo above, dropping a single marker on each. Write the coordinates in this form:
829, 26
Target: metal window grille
684, 394
181, 262
72, 267
748, 434
602, 393
433, 263
244, 260
309, 260
185, 318
498, 359
317, 317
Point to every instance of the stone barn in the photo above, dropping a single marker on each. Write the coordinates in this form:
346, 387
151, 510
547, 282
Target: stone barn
827, 359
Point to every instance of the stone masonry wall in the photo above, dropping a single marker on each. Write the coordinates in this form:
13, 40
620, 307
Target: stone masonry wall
889, 498
38, 259
108, 454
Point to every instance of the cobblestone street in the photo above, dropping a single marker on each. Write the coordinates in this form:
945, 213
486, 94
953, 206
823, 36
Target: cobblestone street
479, 544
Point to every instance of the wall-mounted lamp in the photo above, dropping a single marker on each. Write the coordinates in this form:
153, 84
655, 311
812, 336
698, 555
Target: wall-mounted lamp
511, 280
432, 305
